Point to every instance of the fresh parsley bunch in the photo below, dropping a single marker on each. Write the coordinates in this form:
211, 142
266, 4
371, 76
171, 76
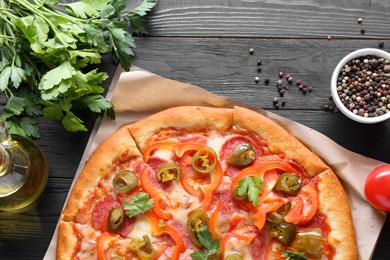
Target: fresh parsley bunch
47, 49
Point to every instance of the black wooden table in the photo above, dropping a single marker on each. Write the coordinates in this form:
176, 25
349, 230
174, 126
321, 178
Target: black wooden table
207, 43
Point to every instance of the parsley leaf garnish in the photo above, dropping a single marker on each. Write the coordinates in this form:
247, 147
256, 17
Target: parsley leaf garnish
294, 255
46, 48
140, 204
250, 187
206, 239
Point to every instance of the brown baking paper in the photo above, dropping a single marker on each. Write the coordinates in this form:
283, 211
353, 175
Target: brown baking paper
138, 93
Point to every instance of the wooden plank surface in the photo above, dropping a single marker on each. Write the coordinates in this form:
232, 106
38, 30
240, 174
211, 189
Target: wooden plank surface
275, 18
206, 43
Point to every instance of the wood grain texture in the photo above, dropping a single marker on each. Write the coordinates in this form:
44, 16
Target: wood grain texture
270, 18
225, 67
206, 43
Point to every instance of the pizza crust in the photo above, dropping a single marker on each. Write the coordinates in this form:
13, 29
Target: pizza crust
186, 118
67, 241
334, 204
279, 139
119, 146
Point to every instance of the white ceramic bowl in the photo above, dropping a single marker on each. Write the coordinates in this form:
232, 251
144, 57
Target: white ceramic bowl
335, 96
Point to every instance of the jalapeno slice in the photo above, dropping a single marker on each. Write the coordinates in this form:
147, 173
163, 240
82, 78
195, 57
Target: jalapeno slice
195, 222
168, 172
243, 155
284, 232
288, 183
233, 256
204, 160
125, 181
143, 248
309, 241
116, 218
276, 217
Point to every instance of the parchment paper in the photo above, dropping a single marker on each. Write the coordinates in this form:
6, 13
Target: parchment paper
138, 93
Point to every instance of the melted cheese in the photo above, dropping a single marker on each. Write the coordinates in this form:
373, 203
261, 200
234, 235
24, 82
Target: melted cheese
216, 140
235, 245
183, 203
88, 243
141, 227
163, 154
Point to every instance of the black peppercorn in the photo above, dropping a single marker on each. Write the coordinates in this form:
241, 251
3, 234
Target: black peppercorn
259, 68
266, 80
257, 79
251, 51
363, 85
259, 63
381, 44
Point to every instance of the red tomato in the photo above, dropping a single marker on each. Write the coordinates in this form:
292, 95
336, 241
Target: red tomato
377, 188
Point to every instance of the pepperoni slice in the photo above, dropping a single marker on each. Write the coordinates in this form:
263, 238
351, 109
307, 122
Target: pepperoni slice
101, 210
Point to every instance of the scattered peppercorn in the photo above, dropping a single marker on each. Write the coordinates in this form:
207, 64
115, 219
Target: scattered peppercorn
259, 68
298, 82
279, 82
257, 79
310, 88
329, 37
381, 44
362, 30
283, 103
326, 107
290, 79
266, 80
360, 20
281, 74
275, 100
300, 87
251, 51
259, 62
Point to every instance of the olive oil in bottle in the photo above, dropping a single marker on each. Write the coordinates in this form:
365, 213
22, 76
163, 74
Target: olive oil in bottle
23, 170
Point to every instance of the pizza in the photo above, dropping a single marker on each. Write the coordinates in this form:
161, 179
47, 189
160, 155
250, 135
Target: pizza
205, 183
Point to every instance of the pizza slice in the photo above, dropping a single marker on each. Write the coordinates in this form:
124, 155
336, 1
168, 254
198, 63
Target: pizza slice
206, 183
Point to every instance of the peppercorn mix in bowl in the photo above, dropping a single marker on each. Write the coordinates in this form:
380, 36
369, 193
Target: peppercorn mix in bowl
360, 85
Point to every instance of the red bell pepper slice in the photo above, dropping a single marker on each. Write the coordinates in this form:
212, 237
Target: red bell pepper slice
167, 144
159, 204
214, 220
